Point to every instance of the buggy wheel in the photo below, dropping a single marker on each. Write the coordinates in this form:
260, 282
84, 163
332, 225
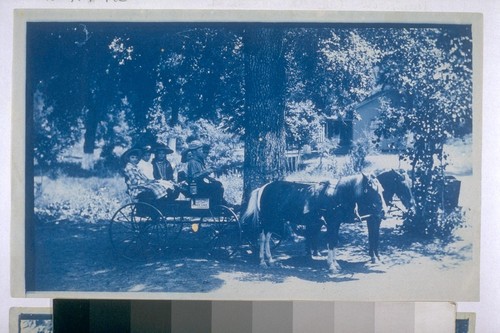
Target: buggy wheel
138, 231
226, 235
173, 222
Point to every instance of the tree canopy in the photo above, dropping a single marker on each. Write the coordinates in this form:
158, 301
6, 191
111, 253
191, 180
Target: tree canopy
147, 78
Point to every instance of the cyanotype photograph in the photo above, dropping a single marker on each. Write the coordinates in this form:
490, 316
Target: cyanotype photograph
244, 155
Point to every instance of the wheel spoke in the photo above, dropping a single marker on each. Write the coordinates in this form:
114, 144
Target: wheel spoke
226, 239
136, 231
140, 231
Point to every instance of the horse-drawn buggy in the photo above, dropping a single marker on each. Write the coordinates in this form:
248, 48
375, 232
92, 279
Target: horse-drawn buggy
159, 210
149, 226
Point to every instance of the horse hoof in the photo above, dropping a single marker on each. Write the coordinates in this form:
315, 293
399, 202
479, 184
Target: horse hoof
334, 269
376, 262
272, 263
263, 265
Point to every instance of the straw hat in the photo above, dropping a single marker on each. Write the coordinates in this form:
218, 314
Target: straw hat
134, 151
161, 147
193, 145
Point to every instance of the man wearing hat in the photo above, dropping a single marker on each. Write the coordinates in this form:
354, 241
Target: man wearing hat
198, 173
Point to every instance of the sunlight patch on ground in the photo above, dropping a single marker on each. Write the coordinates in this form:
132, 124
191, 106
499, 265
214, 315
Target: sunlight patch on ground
244, 276
391, 222
138, 287
166, 269
199, 260
104, 271
385, 161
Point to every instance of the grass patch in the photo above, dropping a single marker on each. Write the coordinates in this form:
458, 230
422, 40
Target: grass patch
69, 198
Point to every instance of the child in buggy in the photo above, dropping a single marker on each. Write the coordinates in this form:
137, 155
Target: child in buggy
139, 186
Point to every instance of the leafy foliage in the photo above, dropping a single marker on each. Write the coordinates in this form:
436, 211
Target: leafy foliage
352, 59
225, 148
50, 138
444, 227
303, 124
432, 71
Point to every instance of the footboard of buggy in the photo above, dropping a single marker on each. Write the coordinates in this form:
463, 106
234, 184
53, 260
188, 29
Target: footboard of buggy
146, 229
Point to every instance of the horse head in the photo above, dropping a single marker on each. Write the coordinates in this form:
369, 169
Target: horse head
402, 187
372, 202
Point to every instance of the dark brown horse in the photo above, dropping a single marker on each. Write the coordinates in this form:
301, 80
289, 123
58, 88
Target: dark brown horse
278, 202
396, 183
356, 197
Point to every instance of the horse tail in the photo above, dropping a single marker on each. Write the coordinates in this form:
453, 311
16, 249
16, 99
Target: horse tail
253, 208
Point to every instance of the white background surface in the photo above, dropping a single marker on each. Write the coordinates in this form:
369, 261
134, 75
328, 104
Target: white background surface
488, 318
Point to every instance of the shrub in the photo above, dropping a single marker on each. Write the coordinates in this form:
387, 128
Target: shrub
357, 157
443, 228
303, 123
89, 199
233, 186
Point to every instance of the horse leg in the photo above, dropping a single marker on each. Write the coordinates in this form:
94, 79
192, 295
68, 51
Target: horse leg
316, 236
268, 248
373, 239
262, 241
309, 242
312, 235
333, 265
333, 239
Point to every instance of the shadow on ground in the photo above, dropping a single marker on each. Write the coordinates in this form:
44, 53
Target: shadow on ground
72, 256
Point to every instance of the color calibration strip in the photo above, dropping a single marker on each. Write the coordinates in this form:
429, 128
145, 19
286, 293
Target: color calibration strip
251, 317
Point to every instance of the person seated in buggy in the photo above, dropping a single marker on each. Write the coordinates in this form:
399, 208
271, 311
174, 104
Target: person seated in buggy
198, 175
139, 186
145, 163
162, 169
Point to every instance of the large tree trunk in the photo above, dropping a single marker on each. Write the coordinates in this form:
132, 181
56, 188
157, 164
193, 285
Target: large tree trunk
265, 111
